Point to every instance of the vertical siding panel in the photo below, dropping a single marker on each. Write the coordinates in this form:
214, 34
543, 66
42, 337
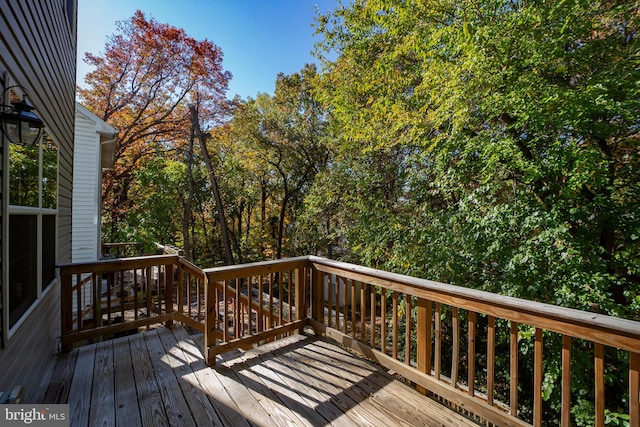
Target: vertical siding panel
85, 190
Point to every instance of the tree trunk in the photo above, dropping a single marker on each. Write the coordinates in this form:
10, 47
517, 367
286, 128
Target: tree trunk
187, 218
195, 123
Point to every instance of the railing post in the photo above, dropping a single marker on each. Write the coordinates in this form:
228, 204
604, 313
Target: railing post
66, 317
181, 289
634, 389
210, 314
300, 300
317, 295
168, 299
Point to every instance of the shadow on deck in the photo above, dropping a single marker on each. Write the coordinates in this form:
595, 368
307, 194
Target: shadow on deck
159, 377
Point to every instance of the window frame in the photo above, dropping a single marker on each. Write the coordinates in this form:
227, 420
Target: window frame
41, 289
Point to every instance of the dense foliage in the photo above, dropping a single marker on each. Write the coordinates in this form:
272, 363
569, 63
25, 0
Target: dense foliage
489, 144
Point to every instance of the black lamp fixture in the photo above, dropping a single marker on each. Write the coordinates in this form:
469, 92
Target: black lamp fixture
19, 124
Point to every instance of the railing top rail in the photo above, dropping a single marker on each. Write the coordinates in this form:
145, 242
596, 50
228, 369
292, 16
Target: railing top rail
118, 264
255, 268
189, 266
608, 330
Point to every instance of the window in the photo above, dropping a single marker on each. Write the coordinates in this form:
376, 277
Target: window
33, 182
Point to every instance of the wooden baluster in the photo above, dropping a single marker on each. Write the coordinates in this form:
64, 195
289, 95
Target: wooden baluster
455, 349
437, 357
225, 298
199, 295
394, 337
407, 331
363, 311
97, 299
634, 389
181, 288
513, 370
162, 283
424, 338
537, 378
290, 301
135, 294
280, 293
354, 292
168, 303
329, 298
372, 316
110, 279
491, 357
300, 300
210, 317
249, 308
566, 381
337, 302
270, 318
122, 295
471, 354
260, 316
79, 302
149, 283
237, 311
210, 309
599, 383
383, 321
345, 306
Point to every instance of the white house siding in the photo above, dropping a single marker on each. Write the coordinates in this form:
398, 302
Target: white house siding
86, 191
38, 50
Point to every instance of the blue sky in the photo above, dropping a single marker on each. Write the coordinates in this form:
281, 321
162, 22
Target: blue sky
259, 38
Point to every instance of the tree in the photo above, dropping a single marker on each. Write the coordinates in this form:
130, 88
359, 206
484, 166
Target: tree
141, 86
222, 219
288, 132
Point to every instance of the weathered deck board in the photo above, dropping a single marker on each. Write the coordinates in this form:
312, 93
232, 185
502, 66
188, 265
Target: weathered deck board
152, 409
58, 388
81, 385
159, 378
127, 413
208, 381
201, 408
103, 392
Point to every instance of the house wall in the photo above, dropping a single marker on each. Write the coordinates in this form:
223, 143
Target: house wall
38, 50
86, 191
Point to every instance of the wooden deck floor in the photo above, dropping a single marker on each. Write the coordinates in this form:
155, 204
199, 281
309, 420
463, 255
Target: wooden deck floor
159, 378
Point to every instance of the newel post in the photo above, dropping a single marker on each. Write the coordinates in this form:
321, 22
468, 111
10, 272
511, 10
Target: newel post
210, 314
634, 389
66, 317
317, 296
168, 299
301, 294
181, 287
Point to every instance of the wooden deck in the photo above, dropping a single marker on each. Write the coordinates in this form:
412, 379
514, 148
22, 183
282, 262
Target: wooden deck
159, 378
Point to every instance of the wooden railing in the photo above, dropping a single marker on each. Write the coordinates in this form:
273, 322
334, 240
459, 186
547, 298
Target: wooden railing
469, 349
465, 347
253, 303
103, 298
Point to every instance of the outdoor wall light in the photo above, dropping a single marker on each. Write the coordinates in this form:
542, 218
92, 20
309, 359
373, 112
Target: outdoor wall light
18, 123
